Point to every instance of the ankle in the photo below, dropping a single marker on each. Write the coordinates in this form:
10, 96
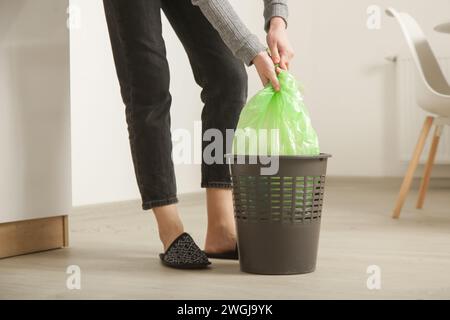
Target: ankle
169, 224
220, 239
221, 225
168, 235
222, 228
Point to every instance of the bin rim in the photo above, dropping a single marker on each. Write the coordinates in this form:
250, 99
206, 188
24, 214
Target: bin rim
320, 156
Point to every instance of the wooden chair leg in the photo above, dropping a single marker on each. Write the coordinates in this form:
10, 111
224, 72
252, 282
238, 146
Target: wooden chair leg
429, 167
407, 181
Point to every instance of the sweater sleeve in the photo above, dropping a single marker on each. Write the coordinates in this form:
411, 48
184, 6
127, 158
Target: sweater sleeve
275, 8
242, 43
238, 38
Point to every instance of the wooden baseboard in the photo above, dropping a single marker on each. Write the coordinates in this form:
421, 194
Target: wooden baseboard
22, 237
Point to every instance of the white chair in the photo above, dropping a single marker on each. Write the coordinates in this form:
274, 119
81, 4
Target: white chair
432, 95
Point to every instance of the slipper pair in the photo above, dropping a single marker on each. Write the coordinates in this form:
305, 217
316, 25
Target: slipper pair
184, 253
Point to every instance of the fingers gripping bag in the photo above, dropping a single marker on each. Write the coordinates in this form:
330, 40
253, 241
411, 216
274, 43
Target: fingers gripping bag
276, 123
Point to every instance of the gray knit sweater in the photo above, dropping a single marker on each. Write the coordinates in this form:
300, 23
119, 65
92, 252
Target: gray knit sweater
233, 31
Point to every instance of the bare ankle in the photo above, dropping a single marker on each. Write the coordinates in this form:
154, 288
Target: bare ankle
169, 224
220, 239
168, 236
221, 234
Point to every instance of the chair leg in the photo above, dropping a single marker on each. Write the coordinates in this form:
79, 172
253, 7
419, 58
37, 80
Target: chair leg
429, 167
407, 181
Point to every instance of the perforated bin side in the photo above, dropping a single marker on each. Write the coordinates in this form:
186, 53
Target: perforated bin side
286, 199
278, 216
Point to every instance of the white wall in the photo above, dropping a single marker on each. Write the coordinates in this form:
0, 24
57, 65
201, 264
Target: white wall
340, 62
101, 162
350, 92
102, 168
34, 110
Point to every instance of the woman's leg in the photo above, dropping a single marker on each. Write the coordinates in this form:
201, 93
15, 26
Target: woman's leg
143, 72
221, 234
224, 82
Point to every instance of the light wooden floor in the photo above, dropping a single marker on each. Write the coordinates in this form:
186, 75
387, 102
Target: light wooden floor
116, 247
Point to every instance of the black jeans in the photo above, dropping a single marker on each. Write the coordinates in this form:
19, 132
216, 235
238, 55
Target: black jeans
143, 72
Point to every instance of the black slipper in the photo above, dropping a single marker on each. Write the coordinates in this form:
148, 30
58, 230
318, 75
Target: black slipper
229, 255
183, 253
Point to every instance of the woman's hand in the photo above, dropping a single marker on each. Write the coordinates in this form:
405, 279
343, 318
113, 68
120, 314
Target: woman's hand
266, 69
278, 42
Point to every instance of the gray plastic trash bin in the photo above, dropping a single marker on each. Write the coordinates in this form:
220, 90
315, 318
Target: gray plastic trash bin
278, 216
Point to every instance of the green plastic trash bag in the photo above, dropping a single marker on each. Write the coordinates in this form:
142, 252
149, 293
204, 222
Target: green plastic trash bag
283, 111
